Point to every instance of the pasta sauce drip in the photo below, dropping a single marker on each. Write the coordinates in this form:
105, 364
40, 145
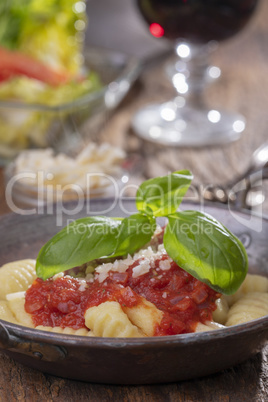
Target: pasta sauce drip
184, 300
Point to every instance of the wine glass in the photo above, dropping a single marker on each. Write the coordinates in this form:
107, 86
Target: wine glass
195, 27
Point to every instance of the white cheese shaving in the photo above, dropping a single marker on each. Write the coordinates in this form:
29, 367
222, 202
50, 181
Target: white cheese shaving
57, 276
83, 286
164, 265
141, 269
89, 277
146, 257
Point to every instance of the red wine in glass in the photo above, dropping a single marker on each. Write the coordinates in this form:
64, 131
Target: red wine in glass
197, 21
194, 26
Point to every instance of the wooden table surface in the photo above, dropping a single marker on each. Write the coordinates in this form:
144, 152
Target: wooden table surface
244, 88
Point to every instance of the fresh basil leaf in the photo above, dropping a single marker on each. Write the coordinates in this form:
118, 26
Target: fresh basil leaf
202, 246
92, 237
134, 232
162, 196
81, 241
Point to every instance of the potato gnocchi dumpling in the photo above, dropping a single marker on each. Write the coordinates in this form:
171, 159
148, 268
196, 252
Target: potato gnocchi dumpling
16, 276
109, 320
113, 319
252, 283
6, 314
249, 307
221, 312
66, 331
15, 302
145, 316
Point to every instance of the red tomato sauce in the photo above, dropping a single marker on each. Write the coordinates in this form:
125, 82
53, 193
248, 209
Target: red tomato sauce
184, 300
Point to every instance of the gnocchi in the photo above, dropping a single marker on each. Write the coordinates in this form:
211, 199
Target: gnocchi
127, 312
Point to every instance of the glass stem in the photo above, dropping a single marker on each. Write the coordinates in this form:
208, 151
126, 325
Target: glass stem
192, 73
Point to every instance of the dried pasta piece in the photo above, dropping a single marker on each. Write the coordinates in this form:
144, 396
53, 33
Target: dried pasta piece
5, 312
16, 303
109, 320
251, 306
145, 316
208, 326
67, 330
221, 313
16, 276
252, 283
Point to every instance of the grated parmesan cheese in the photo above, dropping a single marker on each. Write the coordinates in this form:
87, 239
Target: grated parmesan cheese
141, 269
164, 265
57, 276
83, 286
146, 257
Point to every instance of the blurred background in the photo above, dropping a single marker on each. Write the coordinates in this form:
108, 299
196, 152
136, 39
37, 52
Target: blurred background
118, 25
243, 87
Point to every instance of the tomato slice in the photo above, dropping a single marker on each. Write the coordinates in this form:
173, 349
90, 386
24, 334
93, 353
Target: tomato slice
13, 63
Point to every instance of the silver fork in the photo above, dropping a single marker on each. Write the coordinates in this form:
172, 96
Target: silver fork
245, 191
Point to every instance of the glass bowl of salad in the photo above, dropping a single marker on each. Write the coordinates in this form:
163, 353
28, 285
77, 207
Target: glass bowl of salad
66, 116
54, 91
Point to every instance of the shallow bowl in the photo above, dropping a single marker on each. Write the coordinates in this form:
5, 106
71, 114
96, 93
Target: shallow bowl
126, 360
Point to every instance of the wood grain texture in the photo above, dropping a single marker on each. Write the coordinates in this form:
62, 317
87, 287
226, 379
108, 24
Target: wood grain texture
246, 382
244, 88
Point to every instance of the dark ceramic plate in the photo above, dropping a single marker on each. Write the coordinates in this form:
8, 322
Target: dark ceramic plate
125, 360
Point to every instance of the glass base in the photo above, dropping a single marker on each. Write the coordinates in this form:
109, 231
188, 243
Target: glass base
186, 126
